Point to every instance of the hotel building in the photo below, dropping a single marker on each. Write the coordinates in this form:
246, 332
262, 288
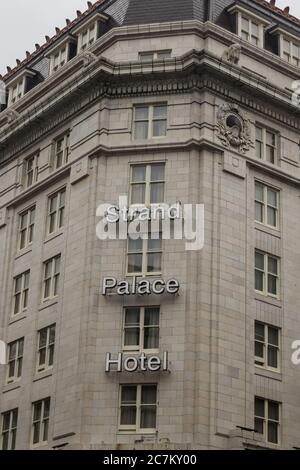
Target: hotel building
174, 101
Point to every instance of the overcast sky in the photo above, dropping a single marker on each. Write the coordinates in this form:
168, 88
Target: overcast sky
26, 22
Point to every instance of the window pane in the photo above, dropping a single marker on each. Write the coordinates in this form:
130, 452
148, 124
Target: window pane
45, 434
160, 112
128, 394
132, 316
151, 338
272, 432
273, 411
135, 263
272, 198
272, 217
259, 349
259, 212
272, 357
141, 113
128, 415
259, 407
259, 261
157, 193
135, 245
43, 338
272, 285
37, 411
138, 174
158, 172
141, 130
148, 417
272, 265
146, 57
138, 194
164, 54
259, 281
148, 395
273, 336
159, 128
132, 337
245, 24
259, 331
259, 425
36, 432
259, 192
151, 316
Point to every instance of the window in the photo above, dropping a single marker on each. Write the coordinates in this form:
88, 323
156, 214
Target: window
51, 278
56, 211
9, 430
40, 421
62, 151
267, 346
147, 184
150, 121
267, 419
266, 144
16, 92
21, 292
87, 37
266, 274
45, 352
31, 170
15, 361
58, 59
138, 406
290, 51
26, 228
250, 31
141, 329
144, 255
154, 55
266, 205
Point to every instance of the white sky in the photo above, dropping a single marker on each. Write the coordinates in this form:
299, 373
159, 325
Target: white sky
26, 22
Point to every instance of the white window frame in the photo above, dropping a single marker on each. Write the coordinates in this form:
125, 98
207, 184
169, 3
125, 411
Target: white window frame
59, 209
23, 293
28, 230
53, 278
11, 430
30, 180
144, 252
91, 31
251, 20
42, 422
47, 347
291, 56
266, 419
155, 55
141, 326
17, 361
150, 120
62, 55
266, 274
16, 91
147, 182
262, 362
136, 428
65, 151
266, 131
266, 205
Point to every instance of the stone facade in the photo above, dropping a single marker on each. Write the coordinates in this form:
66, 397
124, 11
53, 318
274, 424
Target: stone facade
206, 400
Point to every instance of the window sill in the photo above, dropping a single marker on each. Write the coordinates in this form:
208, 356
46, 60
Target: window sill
54, 235
47, 304
138, 434
268, 374
16, 318
10, 387
43, 375
268, 300
269, 230
23, 252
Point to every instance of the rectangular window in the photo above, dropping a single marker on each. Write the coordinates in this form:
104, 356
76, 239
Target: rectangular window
141, 329
147, 184
62, 151
9, 430
40, 421
266, 205
138, 408
15, 360
154, 55
266, 144
267, 346
290, 51
87, 37
144, 256
21, 291
26, 228
56, 211
31, 170
51, 278
250, 30
266, 274
45, 351
267, 419
16, 92
58, 59
150, 121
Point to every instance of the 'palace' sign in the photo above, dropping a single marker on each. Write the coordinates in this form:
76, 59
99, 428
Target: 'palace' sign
142, 287
142, 363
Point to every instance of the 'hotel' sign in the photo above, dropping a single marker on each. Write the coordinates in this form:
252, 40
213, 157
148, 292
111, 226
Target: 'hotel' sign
142, 363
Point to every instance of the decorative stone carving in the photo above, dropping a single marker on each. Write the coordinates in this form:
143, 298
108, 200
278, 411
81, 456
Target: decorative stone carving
11, 115
88, 58
234, 128
233, 54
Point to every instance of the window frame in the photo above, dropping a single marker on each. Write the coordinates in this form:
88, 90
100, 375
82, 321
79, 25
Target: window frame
42, 421
147, 182
150, 120
46, 366
91, 39
11, 430
266, 274
52, 278
29, 181
266, 344
141, 326
65, 48
144, 252
17, 360
29, 228
289, 56
19, 86
266, 419
136, 429
23, 292
59, 209
265, 131
65, 138
265, 205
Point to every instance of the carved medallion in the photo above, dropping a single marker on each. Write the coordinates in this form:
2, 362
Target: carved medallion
234, 128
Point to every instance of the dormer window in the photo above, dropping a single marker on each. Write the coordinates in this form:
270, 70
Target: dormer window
89, 31
61, 53
249, 26
290, 51
18, 86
